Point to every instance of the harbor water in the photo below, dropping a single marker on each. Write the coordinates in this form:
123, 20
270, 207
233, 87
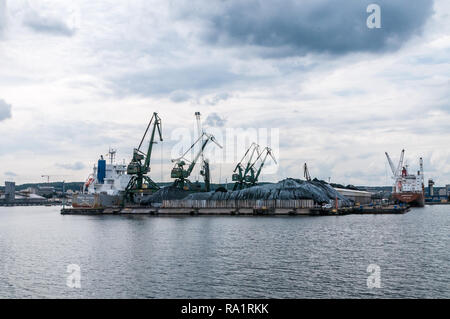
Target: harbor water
224, 256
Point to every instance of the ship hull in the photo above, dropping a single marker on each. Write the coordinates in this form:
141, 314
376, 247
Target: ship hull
412, 199
95, 201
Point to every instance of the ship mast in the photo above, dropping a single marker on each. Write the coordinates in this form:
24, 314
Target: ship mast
112, 155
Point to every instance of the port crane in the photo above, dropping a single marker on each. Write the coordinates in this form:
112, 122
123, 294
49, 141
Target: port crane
306, 173
204, 170
140, 163
181, 174
251, 174
252, 179
242, 170
396, 171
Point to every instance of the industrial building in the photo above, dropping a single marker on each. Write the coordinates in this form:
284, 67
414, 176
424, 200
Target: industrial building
356, 196
437, 194
13, 198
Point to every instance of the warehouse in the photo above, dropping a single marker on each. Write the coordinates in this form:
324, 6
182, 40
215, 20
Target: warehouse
360, 197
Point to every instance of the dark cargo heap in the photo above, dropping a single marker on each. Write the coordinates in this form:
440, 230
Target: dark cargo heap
319, 191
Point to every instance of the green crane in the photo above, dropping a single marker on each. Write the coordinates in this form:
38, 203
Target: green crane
248, 177
140, 163
252, 179
181, 174
306, 173
241, 171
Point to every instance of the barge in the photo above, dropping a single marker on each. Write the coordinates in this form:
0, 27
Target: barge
238, 208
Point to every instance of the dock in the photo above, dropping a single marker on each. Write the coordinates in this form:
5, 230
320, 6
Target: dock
237, 208
371, 210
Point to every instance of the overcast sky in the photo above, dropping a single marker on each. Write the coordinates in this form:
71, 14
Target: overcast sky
77, 78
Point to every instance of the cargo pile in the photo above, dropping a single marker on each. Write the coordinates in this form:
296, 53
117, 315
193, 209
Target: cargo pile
287, 189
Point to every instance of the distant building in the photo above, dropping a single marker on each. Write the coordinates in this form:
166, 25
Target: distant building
35, 196
437, 194
10, 191
46, 190
360, 197
11, 198
31, 190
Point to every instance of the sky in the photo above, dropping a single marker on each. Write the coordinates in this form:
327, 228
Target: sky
77, 78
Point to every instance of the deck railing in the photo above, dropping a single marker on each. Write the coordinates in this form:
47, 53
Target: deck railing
278, 203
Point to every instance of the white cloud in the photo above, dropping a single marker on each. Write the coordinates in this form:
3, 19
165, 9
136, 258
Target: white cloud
5, 110
179, 96
47, 24
74, 166
75, 96
217, 98
2, 16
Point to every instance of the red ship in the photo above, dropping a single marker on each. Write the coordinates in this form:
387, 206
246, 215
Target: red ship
412, 199
408, 188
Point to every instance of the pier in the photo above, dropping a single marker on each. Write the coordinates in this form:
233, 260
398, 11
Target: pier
239, 207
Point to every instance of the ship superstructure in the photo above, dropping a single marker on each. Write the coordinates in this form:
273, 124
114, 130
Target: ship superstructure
408, 188
109, 178
105, 185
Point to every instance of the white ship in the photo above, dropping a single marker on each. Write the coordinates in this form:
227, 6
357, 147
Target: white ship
105, 186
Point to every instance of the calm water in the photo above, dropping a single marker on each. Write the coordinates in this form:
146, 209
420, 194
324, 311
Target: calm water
223, 257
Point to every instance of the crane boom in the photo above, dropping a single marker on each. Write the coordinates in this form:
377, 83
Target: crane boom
391, 164
400, 163
139, 181
268, 152
157, 125
249, 176
306, 172
180, 174
249, 163
199, 153
396, 171
253, 146
200, 131
240, 171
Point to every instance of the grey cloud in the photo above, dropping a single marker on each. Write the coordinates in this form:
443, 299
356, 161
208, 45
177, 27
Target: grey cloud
74, 166
171, 79
10, 174
444, 103
2, 15
217, 98
289, 27
179, 96
5, 110
58, 137
215, 120
350, 92
47, 24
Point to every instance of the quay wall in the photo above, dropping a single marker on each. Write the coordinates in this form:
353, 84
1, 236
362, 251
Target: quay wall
240, 204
